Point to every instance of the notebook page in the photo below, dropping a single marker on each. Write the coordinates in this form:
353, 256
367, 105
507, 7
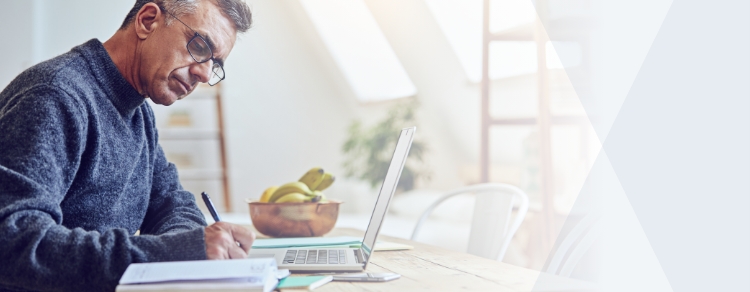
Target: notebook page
197, 270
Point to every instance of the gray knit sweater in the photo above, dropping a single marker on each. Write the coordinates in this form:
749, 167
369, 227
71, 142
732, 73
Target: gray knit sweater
81, 170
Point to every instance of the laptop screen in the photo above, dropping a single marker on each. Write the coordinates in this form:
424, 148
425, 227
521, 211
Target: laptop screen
386, 190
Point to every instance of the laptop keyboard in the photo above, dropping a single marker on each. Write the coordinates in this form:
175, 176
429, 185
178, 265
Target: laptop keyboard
322, 256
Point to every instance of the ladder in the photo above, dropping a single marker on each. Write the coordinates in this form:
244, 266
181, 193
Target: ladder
534, 32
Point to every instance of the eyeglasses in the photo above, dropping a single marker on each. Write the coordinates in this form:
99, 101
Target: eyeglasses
201, 53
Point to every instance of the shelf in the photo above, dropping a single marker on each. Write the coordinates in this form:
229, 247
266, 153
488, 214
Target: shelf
197, 119
203, 91
201, 174
188, 134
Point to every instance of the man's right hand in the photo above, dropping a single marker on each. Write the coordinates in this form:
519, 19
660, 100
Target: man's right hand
222, 239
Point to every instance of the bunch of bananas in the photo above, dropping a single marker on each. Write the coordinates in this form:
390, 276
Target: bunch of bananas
307, 189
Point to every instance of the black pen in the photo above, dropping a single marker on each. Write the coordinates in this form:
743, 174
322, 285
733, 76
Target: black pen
212, 209
210, 205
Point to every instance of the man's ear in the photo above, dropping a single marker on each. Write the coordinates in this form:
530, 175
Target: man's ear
147, 20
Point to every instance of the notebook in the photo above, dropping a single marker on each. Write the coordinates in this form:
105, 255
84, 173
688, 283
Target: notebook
215, 275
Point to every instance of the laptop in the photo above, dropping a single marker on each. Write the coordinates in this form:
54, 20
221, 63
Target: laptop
311, 259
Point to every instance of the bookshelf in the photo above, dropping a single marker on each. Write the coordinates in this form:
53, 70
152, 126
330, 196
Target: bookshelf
192, 134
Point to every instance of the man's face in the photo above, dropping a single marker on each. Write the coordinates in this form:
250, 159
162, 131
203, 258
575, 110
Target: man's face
167, 71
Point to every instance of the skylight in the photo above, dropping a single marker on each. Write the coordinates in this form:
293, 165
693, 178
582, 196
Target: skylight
359, 49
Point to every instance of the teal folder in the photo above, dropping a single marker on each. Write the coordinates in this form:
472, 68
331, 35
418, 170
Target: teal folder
305, 282
306, 241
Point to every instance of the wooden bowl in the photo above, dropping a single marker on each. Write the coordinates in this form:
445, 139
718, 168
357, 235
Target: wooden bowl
294, 219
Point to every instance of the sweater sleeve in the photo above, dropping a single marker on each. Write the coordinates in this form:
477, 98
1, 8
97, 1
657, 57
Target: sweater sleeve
42, 137
170, 208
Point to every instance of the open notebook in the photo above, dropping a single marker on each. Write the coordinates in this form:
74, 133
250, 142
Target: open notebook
217, 275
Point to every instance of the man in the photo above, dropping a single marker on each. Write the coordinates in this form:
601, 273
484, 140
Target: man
81, 169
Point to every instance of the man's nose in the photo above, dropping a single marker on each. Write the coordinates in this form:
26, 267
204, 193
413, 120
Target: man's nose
202, 70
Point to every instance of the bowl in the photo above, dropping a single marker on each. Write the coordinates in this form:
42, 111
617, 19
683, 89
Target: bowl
294, 219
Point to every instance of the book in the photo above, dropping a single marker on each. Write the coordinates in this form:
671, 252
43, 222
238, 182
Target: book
259, 274
304, 282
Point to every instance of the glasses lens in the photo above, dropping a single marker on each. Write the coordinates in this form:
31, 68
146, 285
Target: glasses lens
217, 74
199, 49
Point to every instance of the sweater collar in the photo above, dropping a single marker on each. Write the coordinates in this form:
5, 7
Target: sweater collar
122, 95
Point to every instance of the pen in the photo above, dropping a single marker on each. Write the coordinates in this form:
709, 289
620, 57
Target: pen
212, 209
210, 205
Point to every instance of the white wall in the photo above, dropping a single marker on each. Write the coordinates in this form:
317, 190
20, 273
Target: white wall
449, 119
16, 32
38, 30
287, 106
290, 106
284, 111
66, 24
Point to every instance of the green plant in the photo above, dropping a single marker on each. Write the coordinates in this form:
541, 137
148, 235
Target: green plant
368, 150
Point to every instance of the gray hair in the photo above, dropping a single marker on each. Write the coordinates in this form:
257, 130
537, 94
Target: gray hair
235, 10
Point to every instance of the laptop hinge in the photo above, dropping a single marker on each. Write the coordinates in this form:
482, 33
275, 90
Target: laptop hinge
358, 256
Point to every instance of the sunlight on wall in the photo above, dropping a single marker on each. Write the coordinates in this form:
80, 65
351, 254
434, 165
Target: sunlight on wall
359, 48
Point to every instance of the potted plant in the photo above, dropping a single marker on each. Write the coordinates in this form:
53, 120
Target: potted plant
368, 150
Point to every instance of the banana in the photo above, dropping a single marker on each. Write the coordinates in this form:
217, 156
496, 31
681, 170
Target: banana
267, 194
312, 177
317, 182
325, 182
318, 196
293, 198
292, 187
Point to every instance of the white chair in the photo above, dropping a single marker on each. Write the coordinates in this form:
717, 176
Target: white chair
575, 245
491, 229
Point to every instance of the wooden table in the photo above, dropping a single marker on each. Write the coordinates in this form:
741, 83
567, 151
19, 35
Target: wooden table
431, 268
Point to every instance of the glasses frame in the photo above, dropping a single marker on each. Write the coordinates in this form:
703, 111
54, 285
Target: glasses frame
187, 46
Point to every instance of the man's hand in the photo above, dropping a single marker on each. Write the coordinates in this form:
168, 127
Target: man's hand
222, 239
